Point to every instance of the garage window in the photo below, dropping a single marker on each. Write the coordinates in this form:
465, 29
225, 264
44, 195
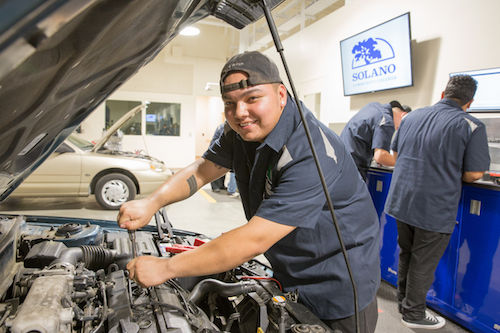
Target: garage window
160, 118
163, 119
117, 109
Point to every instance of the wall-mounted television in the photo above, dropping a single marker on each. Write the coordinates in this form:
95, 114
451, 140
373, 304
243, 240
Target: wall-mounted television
487, 97
378, 58
150, 118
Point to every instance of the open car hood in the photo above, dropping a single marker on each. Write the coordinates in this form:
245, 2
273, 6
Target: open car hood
116, 126
60, 59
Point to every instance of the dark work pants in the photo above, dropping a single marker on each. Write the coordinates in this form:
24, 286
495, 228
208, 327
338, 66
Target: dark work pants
218, 184
367, 321
421, 251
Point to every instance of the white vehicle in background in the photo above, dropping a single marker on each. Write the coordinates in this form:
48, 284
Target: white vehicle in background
80, 168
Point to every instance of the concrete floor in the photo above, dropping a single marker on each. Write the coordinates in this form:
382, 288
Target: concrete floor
208, 213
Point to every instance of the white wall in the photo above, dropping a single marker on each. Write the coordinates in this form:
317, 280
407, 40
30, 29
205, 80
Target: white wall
171, 78
447, 36
176, 152
209, 115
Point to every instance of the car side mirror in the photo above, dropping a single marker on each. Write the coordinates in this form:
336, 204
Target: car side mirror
64, 148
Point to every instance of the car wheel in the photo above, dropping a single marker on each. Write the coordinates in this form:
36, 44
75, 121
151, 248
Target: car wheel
114, 189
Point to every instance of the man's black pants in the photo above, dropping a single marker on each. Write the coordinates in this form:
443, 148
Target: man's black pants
367, 321
421, 251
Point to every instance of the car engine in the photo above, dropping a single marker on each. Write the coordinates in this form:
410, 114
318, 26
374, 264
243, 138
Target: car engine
69, 275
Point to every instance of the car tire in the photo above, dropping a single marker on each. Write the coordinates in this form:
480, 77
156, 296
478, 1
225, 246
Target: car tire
114, 189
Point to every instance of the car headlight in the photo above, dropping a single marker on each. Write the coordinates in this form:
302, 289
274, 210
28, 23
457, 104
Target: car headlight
159, 167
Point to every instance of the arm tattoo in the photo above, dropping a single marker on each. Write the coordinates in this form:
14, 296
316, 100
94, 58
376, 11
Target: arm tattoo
193, 187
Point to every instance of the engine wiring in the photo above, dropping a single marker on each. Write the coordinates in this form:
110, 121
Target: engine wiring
246, 277
102, 287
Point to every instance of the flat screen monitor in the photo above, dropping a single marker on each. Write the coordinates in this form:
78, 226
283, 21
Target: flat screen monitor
150, 118
487, 97
378, 58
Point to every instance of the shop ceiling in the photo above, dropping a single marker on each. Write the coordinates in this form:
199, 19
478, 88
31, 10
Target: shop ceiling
291, 16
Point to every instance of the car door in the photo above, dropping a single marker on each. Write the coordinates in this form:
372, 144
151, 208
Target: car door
58, 175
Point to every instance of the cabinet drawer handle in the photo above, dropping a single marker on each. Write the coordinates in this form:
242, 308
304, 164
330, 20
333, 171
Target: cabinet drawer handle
475, 207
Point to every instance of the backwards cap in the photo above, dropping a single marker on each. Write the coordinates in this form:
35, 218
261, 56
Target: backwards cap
396, 104
259, 68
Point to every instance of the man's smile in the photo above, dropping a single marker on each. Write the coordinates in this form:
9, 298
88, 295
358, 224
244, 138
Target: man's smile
247, 123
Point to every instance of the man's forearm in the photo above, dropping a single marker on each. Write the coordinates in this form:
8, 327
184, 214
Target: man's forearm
186, 182
228, 250
471, 176
218, 255
383, 157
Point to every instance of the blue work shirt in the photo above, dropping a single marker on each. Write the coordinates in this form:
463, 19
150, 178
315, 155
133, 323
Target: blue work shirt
371, 128
435, 146
218, 132
278, 181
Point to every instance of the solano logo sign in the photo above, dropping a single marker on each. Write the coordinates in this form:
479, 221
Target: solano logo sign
378, 58
373, 52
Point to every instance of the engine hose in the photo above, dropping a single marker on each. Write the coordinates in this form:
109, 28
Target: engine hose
221, 288
94, 257
70, 256
97, 257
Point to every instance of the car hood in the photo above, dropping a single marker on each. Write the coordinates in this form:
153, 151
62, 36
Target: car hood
116, 126
60, 59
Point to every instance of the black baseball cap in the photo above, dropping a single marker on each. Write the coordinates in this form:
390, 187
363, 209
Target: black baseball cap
396, 104
406, 108
259, 68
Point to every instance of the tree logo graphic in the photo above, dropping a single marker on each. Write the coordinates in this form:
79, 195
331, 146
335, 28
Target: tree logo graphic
370, 51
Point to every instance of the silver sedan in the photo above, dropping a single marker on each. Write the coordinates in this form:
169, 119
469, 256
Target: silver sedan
77, 169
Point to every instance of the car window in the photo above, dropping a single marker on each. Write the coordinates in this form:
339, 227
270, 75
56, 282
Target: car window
80, 143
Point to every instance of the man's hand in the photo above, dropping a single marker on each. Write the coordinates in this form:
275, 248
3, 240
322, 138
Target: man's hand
136, 214
147, 271
472, 176
383, 157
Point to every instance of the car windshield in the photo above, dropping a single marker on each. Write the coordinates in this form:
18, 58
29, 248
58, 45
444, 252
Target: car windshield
80, 143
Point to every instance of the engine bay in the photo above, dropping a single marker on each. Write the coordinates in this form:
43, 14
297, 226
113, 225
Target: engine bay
69, 275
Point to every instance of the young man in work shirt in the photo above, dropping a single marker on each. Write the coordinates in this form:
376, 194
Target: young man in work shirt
264, 142
437, 147
368, 134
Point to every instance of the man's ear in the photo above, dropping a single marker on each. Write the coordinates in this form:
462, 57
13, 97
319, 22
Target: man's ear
466, 106
282, 93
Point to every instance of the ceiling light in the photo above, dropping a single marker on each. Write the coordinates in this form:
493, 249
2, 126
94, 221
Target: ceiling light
190, 31
209, 84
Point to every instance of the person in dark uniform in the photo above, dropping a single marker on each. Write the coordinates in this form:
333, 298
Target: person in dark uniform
437, 148
369, 132
264, 142
218, 184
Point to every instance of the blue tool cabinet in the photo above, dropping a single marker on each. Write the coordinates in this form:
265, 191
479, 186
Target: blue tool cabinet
467, 284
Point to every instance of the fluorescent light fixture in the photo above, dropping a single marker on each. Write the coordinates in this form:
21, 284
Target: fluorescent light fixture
209, 84
190, 31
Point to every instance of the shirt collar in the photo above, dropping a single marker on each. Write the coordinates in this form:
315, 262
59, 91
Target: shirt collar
450, 102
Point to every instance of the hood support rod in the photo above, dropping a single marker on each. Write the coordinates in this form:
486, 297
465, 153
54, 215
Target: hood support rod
279, 48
